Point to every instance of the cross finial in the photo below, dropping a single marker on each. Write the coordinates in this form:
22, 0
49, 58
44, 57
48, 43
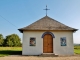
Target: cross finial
46, 10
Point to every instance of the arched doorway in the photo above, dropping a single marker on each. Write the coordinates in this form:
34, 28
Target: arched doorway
47, 43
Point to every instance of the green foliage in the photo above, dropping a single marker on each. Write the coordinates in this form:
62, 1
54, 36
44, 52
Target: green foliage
1, 40
12, 40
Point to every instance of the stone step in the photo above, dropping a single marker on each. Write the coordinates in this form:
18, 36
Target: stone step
49, 55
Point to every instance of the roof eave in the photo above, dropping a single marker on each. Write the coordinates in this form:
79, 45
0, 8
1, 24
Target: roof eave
75, 30
21, 30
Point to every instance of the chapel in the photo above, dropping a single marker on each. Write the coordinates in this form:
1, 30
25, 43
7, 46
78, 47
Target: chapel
47, 35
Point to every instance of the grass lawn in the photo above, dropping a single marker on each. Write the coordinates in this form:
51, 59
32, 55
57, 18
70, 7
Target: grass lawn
5, 51
77, 49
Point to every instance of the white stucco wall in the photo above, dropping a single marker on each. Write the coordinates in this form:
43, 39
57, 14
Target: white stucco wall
57, 48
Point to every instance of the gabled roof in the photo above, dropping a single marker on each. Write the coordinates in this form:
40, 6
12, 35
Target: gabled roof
47, 23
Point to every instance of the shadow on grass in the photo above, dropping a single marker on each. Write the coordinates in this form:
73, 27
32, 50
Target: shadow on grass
10, 52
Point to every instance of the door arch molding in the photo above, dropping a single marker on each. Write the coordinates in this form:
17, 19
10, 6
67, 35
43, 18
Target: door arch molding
47, 33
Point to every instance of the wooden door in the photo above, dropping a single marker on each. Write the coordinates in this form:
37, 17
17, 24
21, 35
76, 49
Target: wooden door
47, 44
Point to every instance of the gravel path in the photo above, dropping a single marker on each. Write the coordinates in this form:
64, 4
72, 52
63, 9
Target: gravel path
39, 58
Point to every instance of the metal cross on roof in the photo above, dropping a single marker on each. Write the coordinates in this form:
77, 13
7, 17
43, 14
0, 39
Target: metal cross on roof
46, 10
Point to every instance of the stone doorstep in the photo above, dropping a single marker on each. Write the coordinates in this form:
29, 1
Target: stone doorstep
49, 55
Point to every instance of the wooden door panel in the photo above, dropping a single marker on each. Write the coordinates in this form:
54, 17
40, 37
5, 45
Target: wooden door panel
50, 50
45, 49
45, 41
50, 41
47, 44
50, 46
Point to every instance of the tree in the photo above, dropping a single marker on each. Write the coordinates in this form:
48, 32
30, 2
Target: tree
1, 40
12, 40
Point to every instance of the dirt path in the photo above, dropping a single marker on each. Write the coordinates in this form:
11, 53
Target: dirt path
39, 58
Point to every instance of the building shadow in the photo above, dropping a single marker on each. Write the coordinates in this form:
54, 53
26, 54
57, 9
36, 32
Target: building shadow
10, 52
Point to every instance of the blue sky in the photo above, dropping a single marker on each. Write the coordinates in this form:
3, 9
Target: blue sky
21, 13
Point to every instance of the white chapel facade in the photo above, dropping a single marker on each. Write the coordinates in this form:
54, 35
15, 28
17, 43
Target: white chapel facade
47, 36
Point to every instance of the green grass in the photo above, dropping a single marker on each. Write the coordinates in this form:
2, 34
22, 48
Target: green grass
5, 51
77, 49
